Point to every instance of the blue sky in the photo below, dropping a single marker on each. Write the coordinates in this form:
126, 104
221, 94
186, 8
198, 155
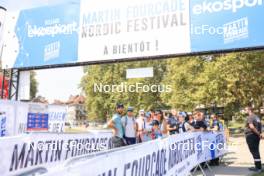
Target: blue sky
53, 83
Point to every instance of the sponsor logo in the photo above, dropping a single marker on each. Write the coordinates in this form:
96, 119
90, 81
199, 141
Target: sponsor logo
52, 30
236, 30
52, 51
226, 5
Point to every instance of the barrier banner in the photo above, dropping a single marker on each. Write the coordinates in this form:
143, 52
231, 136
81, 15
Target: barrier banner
23, 117
57, 118
38, 117
173, 156
29, 151
9, 109
2, 124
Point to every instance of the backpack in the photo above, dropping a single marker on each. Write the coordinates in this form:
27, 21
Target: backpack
126, 119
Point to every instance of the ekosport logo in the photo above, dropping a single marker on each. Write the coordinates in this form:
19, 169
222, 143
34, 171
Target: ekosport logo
224, 5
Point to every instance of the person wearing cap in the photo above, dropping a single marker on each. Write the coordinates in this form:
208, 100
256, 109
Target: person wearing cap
129, 125
116, 124
183, 126
141, 126
162, 122
172, 122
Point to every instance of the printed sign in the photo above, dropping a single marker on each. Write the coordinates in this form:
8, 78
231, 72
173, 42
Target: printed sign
2, 124
24, 152
226, 24
173, 156
37, 118
84, 31
57, 118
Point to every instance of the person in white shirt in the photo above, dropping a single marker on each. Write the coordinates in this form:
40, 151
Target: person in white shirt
129, 125
141, 126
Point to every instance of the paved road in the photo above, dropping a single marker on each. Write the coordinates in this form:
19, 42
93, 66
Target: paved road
237, 161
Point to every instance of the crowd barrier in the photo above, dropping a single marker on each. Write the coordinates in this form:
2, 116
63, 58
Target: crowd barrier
175, 155
27, 152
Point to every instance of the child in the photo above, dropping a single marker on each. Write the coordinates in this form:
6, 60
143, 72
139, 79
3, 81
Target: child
156, 132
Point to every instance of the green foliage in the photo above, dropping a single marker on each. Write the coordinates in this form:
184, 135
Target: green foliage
102, 104
230, 80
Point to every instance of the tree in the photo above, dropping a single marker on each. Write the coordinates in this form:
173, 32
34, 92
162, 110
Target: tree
230, 80
102, 104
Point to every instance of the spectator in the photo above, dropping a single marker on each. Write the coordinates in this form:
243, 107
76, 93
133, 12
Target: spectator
148, 129
216, 124
156, 132
129, 125
162, 122
199, 123
116, 124
152, 114
141, 126
183, 126
172, 122
191, 120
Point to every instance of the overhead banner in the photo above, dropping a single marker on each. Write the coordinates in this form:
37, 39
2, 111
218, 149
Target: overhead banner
25, 152
226, 24
103, 30
173, 156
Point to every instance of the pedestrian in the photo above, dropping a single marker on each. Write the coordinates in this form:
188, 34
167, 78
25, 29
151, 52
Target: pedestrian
116, 124
148, 127
253, 136
216, 124
156, 131
141, 126
162, 122
183, 126
129, 125
191, 120
172, 122
215, 127
199, 122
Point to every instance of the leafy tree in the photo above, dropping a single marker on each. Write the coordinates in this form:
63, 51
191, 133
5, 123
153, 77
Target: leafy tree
230, 80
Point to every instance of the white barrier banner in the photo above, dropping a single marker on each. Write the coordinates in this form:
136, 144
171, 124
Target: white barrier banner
172, 156
57, 118
25, 152
17, 114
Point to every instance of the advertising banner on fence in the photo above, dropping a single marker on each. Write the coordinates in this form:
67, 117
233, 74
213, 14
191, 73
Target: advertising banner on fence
24, 117
57, 118
29, 151
103, 30
173, 156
